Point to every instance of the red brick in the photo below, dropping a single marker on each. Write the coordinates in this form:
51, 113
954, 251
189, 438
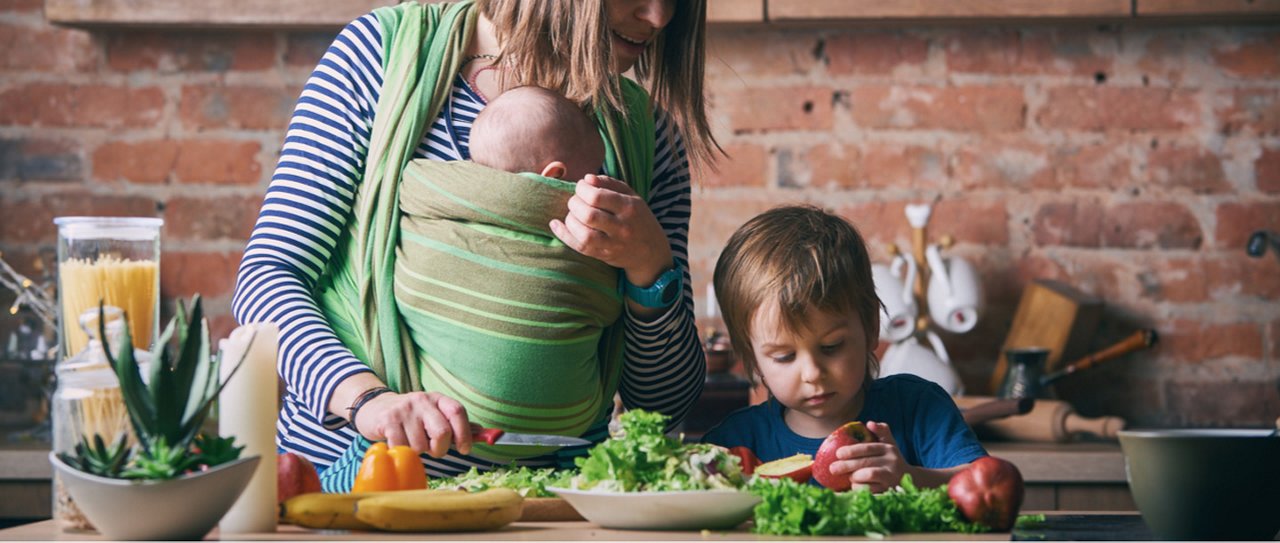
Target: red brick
956, 217
1151, 225
98, 106
1075, 224
168, 52
1273, 339
224, 162
1193, 168
1008, 163
1024, 52
220, 325
1253, 59
46, 49
858, 52
252, 108
1238, 277
715, 217
185, 273
1180, 280
1178, 56
305, 50
1106, 108
139, 162
30, 219
1238, 220
1198, 341
1254, 110
875, 164
734, 53
21, 5
1267, 171
36, 159
1230, 402
880, 223
1036, 266
745, 166
214, 218
778, 109
971, 109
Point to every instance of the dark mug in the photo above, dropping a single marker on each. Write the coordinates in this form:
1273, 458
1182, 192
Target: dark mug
1022, 374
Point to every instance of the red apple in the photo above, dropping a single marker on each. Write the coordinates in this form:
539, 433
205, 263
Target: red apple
849, 434
989, 492
295, 475
798, 468
747, 458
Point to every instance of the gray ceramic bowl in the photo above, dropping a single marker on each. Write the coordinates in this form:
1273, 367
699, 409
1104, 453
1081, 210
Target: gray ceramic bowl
1205, 484
185, 507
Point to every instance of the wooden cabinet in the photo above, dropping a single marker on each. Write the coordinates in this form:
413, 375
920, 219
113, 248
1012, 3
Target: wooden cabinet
1070, 476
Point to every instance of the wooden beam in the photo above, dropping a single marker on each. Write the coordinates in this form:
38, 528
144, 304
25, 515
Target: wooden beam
872, 10
1182, 8
735, 11
210, 13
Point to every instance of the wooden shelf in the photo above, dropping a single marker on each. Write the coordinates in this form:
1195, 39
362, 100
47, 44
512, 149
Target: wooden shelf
870, 10
1209, 8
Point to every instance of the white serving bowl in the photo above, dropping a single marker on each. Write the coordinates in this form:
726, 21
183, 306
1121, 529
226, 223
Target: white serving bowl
185, 508
677, 510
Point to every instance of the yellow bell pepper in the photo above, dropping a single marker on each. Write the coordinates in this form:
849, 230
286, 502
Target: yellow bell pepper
394, 468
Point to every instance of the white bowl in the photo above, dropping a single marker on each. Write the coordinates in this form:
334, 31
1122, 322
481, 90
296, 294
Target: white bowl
185, 507
678, 510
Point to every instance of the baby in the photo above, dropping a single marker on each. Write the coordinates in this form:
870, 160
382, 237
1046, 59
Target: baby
531, 129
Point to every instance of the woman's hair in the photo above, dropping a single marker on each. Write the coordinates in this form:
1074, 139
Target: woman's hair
565, 45
805, 258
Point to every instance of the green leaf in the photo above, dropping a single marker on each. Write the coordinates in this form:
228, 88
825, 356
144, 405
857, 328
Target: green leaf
133, 390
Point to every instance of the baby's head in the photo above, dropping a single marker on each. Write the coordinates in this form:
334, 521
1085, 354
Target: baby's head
531, 129
798, 260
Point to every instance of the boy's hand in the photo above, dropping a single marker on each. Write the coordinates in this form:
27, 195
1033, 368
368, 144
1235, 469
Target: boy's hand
608, 221
877, 466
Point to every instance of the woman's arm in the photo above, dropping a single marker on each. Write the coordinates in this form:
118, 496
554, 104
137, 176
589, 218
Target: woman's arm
303, 216
665, 365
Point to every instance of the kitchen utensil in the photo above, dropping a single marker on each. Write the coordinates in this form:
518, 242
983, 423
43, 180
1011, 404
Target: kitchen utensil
1141, 339
898, 316
1052, 315
1049, 421
1221, 484
954, 293
996, 409
1022, 379
494, 436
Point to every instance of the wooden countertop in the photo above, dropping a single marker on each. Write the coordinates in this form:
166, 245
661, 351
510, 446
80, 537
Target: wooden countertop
520, 531
1079, 462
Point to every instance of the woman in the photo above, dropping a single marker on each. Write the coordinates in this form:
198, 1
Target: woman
575, 47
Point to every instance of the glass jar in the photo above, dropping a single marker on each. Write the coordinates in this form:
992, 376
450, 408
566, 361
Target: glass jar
112, 260
87, 402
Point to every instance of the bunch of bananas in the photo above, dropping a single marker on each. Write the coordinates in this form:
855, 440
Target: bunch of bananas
405, 510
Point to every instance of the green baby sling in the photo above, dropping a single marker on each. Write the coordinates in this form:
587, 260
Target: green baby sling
449, 279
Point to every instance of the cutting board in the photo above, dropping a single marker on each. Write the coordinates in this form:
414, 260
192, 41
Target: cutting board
1053, 315
548, 510
1050, 421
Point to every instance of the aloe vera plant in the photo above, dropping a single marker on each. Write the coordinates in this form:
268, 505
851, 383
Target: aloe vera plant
98, 458
168, 409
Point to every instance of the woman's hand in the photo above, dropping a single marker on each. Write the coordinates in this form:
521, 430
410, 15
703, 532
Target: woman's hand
878, 466
608, 221
428, 422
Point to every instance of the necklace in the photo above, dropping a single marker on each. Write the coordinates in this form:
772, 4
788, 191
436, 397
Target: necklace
475, 87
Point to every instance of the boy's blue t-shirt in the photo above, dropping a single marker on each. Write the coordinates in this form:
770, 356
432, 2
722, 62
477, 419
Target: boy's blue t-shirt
924, 420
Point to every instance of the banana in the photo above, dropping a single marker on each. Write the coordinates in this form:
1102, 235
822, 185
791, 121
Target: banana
441, 510
325, 511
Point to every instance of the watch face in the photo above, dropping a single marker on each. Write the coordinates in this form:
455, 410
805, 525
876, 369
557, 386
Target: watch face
670, 292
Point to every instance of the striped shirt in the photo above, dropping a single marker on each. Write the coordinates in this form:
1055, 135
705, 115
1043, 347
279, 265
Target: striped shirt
307, 208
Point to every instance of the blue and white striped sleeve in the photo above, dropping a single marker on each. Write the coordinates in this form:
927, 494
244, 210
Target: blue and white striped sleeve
305, 213
665, 366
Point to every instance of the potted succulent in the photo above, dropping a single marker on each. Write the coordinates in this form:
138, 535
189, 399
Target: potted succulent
183, 480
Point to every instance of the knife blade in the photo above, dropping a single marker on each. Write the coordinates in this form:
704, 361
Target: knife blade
494, 436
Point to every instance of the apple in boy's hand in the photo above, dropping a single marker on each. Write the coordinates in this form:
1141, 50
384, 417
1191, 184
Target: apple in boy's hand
798, 468
747, 458
295, 475
849, 434
988, 492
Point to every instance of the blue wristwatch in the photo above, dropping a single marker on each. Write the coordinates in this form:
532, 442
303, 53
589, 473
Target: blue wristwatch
662, 293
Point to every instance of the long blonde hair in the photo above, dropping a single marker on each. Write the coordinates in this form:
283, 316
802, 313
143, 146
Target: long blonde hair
565, 45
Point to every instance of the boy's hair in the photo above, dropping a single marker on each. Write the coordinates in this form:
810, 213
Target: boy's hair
806, 259
525, 128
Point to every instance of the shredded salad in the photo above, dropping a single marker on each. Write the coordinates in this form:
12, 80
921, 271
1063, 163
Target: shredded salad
642, 458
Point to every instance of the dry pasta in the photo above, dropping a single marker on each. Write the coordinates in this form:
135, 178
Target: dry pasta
131, 285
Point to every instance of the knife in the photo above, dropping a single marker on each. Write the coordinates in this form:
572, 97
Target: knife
494, 436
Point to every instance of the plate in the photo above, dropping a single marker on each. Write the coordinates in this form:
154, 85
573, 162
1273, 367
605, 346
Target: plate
678, 510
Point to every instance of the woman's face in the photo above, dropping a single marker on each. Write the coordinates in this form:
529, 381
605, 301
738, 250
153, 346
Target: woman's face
633, 26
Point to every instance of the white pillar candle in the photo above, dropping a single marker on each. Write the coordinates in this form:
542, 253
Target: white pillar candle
247, 410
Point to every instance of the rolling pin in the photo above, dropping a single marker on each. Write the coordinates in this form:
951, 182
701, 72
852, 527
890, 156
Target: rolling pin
1050, 421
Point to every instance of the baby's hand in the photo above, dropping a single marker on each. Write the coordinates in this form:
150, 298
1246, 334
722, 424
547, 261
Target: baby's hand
877, 466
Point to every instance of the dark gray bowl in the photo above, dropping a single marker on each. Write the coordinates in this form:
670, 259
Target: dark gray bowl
1205, 484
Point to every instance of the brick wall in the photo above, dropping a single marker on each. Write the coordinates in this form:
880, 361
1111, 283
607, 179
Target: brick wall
1131, 162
